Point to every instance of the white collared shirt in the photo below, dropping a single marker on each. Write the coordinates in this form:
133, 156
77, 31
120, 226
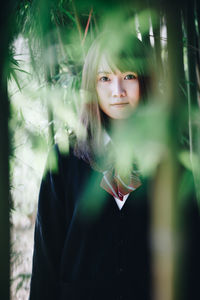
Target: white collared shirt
121, 203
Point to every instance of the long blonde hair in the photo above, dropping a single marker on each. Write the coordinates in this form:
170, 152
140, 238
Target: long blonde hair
128, 54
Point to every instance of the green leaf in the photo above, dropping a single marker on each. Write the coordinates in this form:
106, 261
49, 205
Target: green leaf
68, 14
185, 159
13, 74
20, 70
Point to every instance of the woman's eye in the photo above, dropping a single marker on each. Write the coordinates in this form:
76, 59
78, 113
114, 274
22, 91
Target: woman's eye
104, 78
130, 76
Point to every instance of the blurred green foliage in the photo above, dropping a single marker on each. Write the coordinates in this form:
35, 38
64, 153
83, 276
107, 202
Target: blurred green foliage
45, 64
45, 86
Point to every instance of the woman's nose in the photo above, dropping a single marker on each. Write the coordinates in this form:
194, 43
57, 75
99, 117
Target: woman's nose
117, 89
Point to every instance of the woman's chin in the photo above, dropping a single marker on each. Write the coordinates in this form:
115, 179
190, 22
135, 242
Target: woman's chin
120, 114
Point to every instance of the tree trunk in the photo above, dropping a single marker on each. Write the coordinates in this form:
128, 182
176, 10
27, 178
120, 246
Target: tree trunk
4, 191
5, 29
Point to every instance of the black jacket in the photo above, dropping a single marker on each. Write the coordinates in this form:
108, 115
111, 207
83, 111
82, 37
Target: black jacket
85, 247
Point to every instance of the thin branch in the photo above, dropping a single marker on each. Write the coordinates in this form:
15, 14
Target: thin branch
87, 26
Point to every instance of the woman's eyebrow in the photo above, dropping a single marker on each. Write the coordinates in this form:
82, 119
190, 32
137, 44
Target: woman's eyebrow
129, 72
103, 72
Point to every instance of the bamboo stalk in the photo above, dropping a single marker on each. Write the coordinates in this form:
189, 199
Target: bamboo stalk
191, 50
192, 61
165, 212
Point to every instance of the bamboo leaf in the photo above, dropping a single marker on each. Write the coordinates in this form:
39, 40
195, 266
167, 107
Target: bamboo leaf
68, 14
13, 74
20, 70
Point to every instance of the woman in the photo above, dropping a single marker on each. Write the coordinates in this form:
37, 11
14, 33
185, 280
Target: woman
92, 226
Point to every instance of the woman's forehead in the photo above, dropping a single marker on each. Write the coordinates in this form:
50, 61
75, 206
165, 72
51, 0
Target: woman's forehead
107, 66
104, 66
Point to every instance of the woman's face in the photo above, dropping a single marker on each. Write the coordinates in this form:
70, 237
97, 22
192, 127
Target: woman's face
118, 92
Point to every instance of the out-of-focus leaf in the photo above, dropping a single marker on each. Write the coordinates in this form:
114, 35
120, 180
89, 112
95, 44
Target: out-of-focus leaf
185, 159
68, 14
186, 187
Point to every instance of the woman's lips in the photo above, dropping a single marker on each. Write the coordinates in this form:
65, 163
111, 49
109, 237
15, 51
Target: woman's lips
122, 104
